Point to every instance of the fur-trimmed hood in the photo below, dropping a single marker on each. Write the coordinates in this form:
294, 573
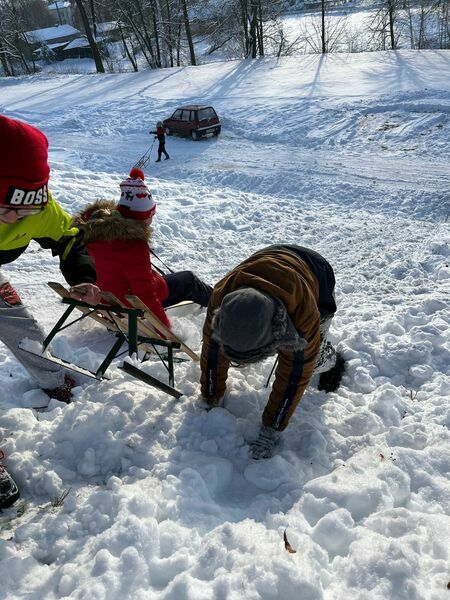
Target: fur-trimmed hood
102, 222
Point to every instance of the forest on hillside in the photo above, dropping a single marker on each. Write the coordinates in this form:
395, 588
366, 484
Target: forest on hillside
127, 35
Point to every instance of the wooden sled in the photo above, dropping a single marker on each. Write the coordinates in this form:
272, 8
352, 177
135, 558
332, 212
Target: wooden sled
136, 327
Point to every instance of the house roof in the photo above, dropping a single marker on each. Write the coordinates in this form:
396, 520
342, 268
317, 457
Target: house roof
80, 42
50, 33
58, 5
107, 26
58, 45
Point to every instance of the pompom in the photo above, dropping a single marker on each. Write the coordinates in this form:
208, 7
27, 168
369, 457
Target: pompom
137, 174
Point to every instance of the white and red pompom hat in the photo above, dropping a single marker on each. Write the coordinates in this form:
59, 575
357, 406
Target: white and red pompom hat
136, 201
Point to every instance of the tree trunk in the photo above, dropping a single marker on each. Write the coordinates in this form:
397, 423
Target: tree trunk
253, 27
92, 43
94, 19
4, 61
391, 23
156, 33
187, 26
323, 34
179, 45
169, 32
21, 55
411, 29
244, 17
260, 30
146, 36
125, 45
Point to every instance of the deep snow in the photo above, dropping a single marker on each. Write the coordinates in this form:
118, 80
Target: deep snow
346, 154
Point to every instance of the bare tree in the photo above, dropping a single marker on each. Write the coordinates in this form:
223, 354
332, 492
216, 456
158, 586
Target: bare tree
15, 22
129, 52
384, 25
92, 42
187, 26
324, 33
240, 27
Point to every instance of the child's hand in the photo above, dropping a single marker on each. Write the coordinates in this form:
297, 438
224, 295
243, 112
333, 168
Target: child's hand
86, 292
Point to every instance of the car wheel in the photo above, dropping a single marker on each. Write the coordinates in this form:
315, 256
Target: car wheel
169, 131
194, 135
217, 131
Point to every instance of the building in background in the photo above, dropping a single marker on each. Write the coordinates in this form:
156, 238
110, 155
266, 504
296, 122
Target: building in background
62, 12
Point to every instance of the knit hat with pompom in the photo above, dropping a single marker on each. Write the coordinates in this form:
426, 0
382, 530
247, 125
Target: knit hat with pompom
136, 201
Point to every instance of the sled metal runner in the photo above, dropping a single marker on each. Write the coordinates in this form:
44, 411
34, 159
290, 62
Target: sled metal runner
130, 328
63, 363
149, 379
145, 158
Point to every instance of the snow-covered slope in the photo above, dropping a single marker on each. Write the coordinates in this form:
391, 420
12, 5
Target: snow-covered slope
345, 154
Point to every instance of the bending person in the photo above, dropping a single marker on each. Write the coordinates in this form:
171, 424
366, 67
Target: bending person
280, 300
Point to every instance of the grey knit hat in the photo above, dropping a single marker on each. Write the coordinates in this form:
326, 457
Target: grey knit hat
251, 325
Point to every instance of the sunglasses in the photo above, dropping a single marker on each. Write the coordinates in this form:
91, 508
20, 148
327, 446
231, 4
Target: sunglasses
22, 212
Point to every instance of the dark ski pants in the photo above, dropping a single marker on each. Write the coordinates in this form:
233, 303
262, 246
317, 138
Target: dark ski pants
185, 285
162, 150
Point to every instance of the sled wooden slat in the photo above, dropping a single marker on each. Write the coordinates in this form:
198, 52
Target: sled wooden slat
99, 315
144, 328
156, 323
117, 325
179, 304
133, 325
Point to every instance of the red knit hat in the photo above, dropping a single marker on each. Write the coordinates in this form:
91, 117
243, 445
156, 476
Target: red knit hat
136, 201
24, 170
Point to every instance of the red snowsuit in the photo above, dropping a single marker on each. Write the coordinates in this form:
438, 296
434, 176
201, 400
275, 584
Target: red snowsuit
120, 249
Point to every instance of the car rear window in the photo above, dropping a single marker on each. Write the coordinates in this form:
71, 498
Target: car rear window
206, 113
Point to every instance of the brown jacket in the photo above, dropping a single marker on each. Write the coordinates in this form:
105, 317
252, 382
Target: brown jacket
280, 273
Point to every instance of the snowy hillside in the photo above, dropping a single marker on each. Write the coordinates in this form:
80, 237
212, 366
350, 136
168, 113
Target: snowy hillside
345, 154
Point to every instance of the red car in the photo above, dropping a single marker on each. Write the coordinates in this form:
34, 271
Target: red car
194, 120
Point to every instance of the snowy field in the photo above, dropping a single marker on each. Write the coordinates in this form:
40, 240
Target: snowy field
345, 154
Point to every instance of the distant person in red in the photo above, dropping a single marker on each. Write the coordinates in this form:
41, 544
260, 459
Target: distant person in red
160, 134
117, 236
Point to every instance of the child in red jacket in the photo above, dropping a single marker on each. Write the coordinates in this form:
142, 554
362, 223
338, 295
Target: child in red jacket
160, 135
117, 236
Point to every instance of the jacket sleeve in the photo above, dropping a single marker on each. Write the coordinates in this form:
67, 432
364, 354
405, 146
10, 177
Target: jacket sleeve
293, 374
214, 365
65, 241
142, 279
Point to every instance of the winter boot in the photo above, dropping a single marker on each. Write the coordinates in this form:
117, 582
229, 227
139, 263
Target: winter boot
167, 157
265, 444
158, 160
63, 393
9, 492
330, 380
